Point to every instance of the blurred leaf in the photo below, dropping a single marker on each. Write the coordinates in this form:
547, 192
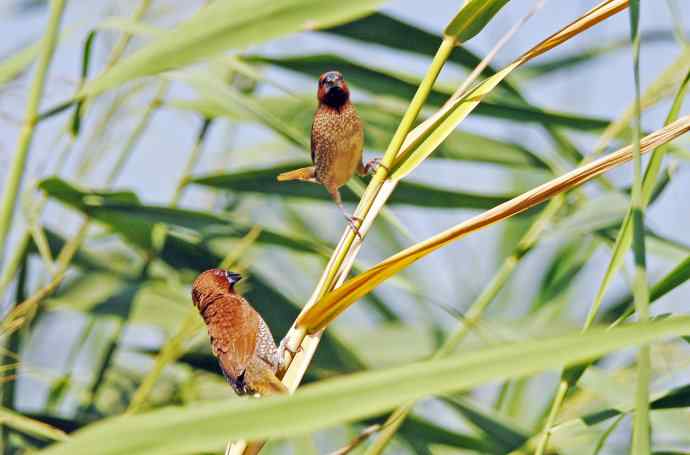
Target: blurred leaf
129, 26
264, 181
123, 213
567, 63
332, 304
563, 270
203, 427
503, 434
388, 31
676, 277
380, 123
625, 237
392, 343
63, 424
13, 65
679, 397
382, 83
472, 18
224, 25
426, 137
224, 98
421, 434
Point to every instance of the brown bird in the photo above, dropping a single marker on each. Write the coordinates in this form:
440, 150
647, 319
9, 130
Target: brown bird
240, 339
337, 141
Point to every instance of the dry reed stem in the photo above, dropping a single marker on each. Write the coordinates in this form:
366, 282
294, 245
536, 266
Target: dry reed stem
305, 344
338, 300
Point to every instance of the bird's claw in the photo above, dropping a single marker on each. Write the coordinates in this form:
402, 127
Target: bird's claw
282, 349
373, 166
351, 221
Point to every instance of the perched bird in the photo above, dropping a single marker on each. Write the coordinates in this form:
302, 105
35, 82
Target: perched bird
337, 141
240, 339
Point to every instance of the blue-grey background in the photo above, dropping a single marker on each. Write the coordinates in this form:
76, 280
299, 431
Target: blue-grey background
452, 277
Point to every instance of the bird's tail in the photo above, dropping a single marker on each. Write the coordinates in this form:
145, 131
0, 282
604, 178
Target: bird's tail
262, 379
304, 173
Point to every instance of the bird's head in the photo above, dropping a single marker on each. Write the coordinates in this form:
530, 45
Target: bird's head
213, 282
333, 90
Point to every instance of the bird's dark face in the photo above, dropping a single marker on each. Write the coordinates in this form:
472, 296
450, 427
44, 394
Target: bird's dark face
212, 282
333, 90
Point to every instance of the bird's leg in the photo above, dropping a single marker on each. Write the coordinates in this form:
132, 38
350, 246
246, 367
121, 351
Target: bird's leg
371, 167
350, 218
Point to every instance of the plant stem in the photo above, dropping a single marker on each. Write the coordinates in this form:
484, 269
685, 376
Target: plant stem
134, 137
473, 314
121, 45
11, 189
555, 408
173, 348
641, 437
343, 257
192, 161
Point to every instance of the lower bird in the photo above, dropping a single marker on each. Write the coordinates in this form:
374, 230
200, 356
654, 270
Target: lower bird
240, 338
337, 141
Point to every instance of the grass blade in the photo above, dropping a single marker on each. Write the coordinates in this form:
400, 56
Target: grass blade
204, 427
223, 25
331, 305
641, 428
14, 176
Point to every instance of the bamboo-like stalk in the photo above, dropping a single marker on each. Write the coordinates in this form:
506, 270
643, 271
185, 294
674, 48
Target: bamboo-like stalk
343, 257
623, 242
173, 347
338, 300
12, 265
14, 178
641, 440
70, 249
380, 188
122, 43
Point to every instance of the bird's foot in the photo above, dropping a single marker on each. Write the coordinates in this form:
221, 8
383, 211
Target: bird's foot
373, 165
351, 219
280, 354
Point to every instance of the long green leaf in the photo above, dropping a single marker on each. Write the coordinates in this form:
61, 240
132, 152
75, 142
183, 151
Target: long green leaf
472, 18
569, 62
225, 25
204, 427
625, 235
676, 277
122, 211
393, 33
383, 83
380, 122
30, 426
263, 181
13, 65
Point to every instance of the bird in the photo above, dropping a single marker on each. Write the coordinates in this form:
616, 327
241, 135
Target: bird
337, 141
240, 338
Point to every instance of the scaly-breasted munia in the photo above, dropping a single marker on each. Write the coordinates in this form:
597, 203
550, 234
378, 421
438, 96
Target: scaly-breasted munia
240, 339
337, 141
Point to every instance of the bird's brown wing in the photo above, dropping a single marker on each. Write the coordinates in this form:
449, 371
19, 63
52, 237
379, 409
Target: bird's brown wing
313, 142
233, 329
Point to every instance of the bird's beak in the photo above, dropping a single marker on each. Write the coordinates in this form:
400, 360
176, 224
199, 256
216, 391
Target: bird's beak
334, 84
233, 277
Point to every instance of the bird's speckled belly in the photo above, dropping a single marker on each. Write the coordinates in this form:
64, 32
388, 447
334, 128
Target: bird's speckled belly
339, 140
347, 158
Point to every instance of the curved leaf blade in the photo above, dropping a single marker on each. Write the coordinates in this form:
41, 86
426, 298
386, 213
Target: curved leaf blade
204, 427
224, 25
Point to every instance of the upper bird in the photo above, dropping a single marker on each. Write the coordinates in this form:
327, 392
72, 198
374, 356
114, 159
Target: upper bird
337, 141
240, 339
